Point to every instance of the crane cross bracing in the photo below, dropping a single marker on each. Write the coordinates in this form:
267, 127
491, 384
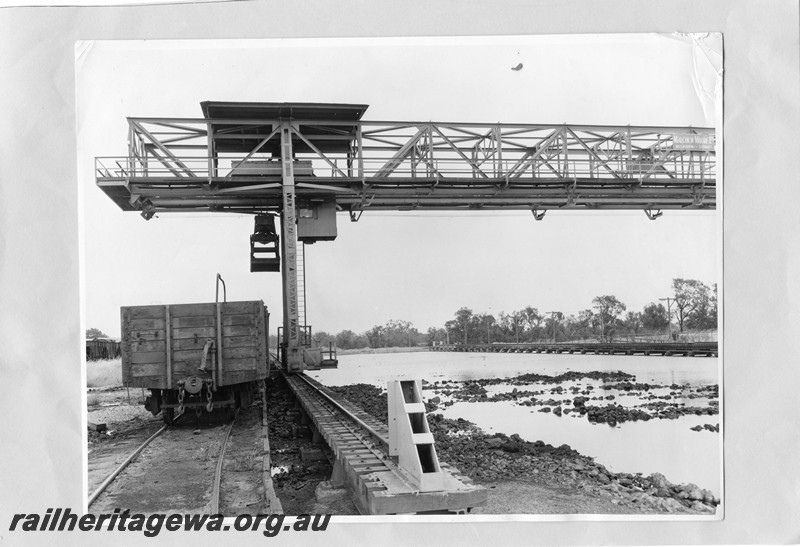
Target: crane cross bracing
230, 161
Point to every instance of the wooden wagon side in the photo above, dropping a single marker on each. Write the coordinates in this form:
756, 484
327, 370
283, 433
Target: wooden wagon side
161, 345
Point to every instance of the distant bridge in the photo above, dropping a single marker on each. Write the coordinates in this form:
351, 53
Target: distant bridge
685, 349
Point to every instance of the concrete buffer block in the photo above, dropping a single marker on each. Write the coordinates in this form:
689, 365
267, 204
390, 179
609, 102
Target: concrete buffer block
410, 439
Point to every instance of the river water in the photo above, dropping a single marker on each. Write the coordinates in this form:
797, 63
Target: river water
668, 447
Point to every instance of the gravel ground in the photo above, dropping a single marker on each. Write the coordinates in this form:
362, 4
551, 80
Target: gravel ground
113, 408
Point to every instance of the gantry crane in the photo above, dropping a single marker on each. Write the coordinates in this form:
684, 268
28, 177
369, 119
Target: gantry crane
304, 162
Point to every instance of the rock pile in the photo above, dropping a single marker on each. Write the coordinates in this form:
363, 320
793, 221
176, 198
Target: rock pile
660, 405
706, 427
613, 414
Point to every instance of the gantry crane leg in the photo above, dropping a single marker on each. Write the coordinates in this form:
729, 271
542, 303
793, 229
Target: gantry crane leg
293, 350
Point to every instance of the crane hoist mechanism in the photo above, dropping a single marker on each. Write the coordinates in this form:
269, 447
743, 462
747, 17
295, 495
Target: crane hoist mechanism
301, 163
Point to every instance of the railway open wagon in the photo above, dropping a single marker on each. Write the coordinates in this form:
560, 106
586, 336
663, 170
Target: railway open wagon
198, 356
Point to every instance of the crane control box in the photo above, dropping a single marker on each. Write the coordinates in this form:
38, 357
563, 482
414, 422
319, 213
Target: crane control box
317, 221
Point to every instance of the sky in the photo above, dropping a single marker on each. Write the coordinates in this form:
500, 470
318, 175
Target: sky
419, 267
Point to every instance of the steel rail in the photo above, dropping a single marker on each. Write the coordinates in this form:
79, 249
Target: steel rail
125, 463
214, 505
346, 412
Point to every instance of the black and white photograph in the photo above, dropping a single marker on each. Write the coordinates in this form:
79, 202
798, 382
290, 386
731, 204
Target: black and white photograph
431, 276
419, 273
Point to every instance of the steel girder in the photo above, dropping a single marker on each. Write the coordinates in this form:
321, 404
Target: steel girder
235, 166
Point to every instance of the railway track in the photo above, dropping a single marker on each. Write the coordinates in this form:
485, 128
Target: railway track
225, 468
103, 485
360, 444
185, 469
376, 429
214, 502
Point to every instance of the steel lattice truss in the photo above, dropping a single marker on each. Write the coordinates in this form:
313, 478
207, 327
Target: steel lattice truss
234, 165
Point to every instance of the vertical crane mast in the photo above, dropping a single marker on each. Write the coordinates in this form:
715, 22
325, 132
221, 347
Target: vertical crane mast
293, 352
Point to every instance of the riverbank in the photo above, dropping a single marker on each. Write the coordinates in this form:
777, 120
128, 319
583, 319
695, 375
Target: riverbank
523, 475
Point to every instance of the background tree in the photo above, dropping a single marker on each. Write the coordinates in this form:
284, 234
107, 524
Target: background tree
346, 339
584, 324
552, 326
608, 309
571, 327
395, 333
654, 317
693, 304
435, 336
93, 333
633, 322
713, 307
323, 338
530, 316
683, 300
505, 327
463, 319
376, 337
516, 322
704, 314
400, 333
453, 331
484, 327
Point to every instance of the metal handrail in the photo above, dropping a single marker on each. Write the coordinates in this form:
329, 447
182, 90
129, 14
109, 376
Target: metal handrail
674, 168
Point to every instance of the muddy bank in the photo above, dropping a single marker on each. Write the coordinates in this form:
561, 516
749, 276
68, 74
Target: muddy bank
498, 458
